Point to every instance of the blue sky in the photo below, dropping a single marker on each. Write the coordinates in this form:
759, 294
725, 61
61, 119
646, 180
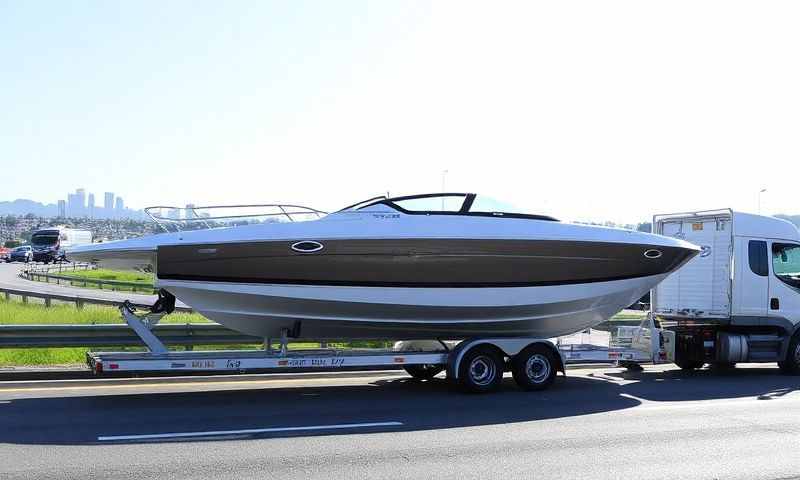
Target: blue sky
584, 110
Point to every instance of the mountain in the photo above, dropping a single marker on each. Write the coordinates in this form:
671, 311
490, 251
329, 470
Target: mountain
23, 207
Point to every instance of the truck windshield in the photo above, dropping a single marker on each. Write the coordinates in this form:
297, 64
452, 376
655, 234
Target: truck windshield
44, 240
786, 263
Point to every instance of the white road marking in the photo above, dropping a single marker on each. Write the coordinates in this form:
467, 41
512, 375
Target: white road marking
153, 436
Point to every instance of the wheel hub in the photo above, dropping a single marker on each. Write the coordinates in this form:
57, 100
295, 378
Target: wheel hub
537, 368
482, 370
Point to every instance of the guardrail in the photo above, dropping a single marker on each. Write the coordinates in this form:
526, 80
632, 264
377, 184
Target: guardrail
44, 273
79, 301
42, 336
60, 266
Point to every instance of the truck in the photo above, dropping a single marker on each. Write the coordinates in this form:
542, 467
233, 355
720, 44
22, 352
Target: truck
50, 244
739, 299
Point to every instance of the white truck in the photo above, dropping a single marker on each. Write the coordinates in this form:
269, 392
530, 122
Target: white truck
50, 244
739, 300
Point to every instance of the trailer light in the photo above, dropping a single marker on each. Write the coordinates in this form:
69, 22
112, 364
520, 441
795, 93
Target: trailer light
113, 366
399, 360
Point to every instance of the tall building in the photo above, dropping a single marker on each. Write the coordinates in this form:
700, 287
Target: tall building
90, 205
81, 199
108, 202
189, 212
119, 205
62, 208
76, 203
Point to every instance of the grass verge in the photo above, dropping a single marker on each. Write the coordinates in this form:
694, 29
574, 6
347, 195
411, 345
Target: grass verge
143, 281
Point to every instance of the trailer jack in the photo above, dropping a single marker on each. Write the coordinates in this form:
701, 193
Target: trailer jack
142, 325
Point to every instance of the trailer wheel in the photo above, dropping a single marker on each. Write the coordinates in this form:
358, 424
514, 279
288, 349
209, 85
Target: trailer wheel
689, 364
481, 370
791, 364
534, 368
423, 372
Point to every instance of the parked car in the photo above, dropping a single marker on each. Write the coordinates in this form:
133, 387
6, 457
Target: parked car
21, 254
4, 252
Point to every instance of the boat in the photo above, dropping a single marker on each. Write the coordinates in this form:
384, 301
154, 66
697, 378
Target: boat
432, 266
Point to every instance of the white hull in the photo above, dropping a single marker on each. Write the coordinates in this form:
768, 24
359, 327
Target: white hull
405, 313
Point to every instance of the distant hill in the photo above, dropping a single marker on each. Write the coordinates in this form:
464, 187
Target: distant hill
24, 207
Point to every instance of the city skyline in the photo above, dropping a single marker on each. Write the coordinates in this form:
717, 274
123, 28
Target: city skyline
77, 204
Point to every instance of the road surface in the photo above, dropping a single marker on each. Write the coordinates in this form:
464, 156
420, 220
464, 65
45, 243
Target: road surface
596, 423
9, 278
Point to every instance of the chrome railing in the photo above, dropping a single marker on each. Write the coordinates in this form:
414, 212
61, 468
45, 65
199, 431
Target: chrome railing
175, 219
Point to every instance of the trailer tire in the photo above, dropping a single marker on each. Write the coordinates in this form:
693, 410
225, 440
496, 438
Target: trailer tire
791, 364
481, 369
689, 364
423, 372
534, 368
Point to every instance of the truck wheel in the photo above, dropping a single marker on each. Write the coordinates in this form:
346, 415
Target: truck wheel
423, 372
534, 368
481, 370
689, 364
791, 364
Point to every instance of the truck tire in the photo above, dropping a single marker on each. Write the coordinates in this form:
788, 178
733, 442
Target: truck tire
423, 372
481, 370
689, 364
534, 368
791, 364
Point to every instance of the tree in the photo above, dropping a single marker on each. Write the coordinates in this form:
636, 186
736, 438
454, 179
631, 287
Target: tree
12, 243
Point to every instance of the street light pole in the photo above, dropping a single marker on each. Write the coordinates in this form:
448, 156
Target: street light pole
444, 176
759, 199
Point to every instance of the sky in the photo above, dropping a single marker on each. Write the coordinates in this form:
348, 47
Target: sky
582, 110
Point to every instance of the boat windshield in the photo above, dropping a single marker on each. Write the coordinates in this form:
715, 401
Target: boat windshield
450, 204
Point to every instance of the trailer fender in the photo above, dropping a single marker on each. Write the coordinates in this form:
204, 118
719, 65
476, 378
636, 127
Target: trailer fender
508, 347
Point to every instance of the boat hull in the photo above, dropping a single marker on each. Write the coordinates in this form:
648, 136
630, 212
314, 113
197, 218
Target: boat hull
314, 311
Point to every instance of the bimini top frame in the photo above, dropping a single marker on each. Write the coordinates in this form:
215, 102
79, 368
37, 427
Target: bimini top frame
175, 219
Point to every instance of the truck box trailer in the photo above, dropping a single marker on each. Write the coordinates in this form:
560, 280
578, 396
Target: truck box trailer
739, 300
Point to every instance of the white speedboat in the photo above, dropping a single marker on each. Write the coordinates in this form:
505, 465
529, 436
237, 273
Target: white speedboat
424, 266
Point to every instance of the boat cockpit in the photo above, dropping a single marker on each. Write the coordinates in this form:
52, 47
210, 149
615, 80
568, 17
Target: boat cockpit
444, 204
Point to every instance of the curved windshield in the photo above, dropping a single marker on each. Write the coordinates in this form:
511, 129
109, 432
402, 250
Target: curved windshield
44, 240
437, 203
486, 204
449, 204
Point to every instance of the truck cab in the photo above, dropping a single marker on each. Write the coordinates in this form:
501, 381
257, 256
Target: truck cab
739, 300
49, 244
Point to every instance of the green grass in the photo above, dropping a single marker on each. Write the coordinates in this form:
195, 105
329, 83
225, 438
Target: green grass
143, 280
104, 274
14, 312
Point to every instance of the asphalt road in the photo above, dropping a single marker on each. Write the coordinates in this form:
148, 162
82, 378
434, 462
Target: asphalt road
595, 423
9, 278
